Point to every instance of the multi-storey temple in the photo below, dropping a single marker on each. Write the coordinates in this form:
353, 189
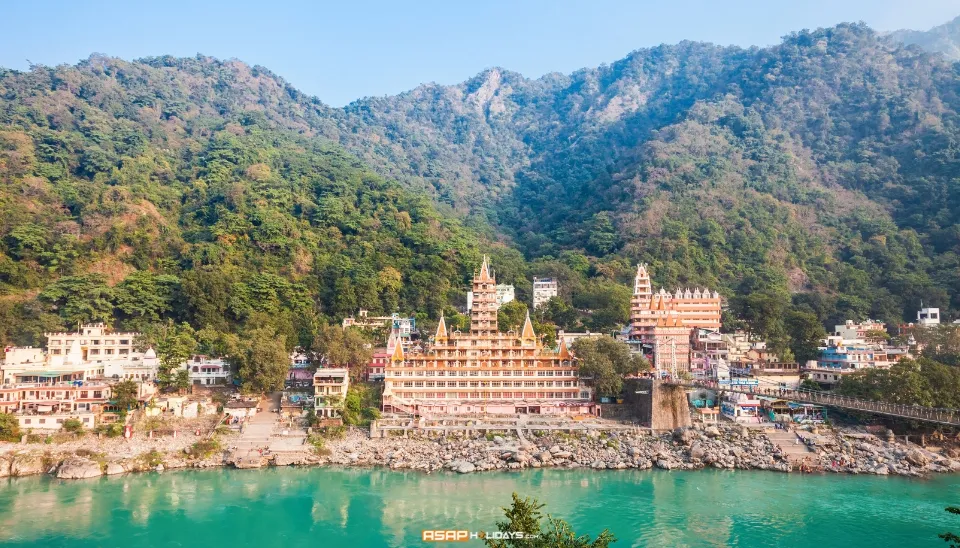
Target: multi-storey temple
485, 370
661, 323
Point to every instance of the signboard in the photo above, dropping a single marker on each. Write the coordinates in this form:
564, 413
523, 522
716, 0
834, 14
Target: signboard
739, 382
744, 382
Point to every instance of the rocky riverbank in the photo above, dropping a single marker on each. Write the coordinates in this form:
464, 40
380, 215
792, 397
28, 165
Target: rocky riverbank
722, 447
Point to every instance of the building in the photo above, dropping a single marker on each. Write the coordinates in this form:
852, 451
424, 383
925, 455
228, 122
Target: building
543, 290
46, 405
96, 342
927, 317
137, 367
768, 375
572, 337
375, 370
707, 350
485, 370
853, 331
394, 322
505, 294
841, 357
657, 319
671, 346
207, 371
839, 354
329, 391
300, 373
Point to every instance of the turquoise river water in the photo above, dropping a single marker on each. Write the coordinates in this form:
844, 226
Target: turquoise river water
358, 508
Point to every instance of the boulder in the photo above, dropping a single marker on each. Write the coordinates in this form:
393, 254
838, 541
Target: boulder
562, 454
664, 464
555, 449
712, 431
684, 436
465, 468
77, 468
498, 440
917, 458
697, 451
26, 465
5, 466
114, 468
544, 456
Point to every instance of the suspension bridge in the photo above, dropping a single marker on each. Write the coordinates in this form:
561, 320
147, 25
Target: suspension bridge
935, 415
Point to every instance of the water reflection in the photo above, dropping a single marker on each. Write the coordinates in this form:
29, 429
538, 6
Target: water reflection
357, 508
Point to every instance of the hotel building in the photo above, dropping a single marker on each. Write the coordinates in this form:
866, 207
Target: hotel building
485, 370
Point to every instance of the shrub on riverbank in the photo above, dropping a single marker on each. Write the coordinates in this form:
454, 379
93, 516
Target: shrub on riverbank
9, 427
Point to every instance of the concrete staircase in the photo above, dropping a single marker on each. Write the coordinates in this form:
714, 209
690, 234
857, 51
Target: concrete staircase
785, 440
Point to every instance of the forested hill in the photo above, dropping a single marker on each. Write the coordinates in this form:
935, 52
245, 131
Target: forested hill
132, 194
943, 39
817, 178
823, 171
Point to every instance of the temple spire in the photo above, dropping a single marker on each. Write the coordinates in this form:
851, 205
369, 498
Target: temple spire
441, 330
563, 353
528, 332
484, 275
397, 352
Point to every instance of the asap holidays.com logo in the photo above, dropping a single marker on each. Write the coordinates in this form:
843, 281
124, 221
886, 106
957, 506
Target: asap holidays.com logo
462, 535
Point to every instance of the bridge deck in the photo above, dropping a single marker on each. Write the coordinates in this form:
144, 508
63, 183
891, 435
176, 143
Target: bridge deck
915, 412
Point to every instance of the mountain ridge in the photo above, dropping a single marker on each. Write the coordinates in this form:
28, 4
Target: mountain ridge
813, 176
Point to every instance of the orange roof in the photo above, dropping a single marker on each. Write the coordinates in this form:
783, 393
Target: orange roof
528, 332
441, 329
484, 275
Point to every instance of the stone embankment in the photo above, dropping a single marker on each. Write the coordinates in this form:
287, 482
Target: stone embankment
721, 447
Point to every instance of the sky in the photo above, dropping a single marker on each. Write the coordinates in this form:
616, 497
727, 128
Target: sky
342, 51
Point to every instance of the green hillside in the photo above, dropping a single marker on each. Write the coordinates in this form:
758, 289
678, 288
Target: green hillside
813, 181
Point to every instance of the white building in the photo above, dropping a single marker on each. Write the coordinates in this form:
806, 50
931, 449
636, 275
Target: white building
207, 371
137, 366
928, 317
329, 391
505, 294
96, 342
543, 290
857, 332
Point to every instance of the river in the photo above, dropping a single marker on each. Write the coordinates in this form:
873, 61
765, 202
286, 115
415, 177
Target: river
358, 508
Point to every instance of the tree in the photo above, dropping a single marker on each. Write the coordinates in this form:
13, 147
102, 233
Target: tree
511, 316
607, 304
143, 296
72, 425
174, 345
80, 299
603, 236
342, 347
125, 395
810, 384
261, 360
607, 360
525, 516
805, 332
876, 336
952, 538
559, 312
9, 427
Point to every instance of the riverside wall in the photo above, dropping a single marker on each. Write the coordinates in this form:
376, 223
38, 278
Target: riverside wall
724, 446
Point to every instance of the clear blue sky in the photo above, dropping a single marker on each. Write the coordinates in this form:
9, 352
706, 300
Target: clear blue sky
341, 51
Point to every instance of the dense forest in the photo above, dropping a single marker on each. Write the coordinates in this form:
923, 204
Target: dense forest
809, 182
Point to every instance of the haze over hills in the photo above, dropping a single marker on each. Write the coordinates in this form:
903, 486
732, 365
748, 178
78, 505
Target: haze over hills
812, 181
944, 38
